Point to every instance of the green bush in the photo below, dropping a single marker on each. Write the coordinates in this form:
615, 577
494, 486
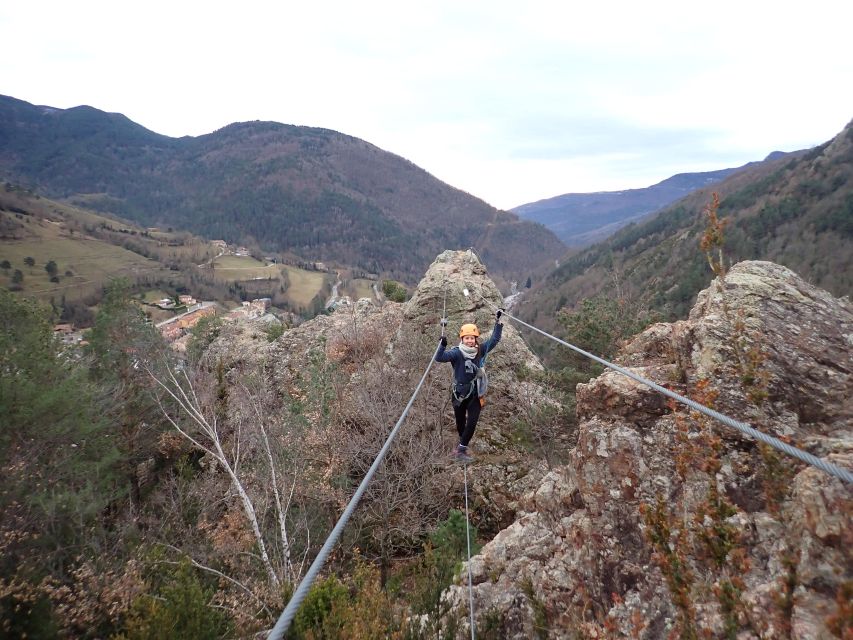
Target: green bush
443, 555
177, 608
274, 331
354, 609
394, 291
317, 606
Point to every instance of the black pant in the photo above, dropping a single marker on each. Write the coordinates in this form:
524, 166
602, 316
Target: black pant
466, 425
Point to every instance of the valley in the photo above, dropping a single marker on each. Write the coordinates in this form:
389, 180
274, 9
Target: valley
259, 304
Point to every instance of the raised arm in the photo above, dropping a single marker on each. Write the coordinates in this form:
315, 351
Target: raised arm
493, 340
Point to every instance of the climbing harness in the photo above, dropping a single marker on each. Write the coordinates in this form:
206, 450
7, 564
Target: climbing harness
458, 399
461, 391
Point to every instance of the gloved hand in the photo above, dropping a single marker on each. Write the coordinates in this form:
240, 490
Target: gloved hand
498, 315
443, 342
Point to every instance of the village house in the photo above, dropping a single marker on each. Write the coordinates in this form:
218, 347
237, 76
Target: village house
66, 332
174, 328
187, 300
250, 310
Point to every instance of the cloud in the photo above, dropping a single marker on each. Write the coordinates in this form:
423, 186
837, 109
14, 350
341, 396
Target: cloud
511, 103
546, 138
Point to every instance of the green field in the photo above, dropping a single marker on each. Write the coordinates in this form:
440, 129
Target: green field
154, 295
91, 262
233, 268
360, 288
303, 285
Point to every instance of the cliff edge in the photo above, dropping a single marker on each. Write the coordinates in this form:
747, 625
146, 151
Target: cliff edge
666, 524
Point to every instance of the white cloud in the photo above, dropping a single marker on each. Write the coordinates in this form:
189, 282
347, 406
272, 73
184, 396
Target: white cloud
511, 103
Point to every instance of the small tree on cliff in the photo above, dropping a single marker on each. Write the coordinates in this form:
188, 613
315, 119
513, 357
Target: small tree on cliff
394, 291
121, 340
240, 429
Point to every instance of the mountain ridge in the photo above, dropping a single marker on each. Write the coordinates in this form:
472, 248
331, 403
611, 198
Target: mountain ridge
318, 193
795, 210
581, 219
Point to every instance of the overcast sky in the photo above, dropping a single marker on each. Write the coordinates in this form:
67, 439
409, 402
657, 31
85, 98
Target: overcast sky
510, 101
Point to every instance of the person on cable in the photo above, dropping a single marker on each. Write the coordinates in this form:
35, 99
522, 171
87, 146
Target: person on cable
469, 379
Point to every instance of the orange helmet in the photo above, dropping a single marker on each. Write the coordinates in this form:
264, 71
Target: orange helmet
469, 330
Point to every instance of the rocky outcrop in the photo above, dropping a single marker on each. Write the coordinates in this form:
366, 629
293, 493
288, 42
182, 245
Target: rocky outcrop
665, 524
342, 348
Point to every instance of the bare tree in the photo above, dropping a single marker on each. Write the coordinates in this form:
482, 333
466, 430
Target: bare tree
233, 426
406, 497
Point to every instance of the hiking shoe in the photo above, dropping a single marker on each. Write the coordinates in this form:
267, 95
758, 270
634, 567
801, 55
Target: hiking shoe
461, 454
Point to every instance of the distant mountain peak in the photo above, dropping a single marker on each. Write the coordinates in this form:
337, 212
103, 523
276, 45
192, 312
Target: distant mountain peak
579, 219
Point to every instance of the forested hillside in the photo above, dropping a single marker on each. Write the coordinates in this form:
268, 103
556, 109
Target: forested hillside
796, 211
581, 219
314, 192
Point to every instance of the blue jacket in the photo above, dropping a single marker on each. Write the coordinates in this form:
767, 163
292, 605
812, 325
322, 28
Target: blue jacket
462, 374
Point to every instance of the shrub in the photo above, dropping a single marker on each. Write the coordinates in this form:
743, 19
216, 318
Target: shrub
442, 558
177, 609
394, 291
357, 609
274, 331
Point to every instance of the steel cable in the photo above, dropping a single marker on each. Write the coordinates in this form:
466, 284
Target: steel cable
283, 622
468, 538
823, 465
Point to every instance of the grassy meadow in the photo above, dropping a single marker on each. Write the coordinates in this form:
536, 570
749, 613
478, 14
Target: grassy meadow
235, 268
154, 295
359, 288
305, 285
89, 262
300, 286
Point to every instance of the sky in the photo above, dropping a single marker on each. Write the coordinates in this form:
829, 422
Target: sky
512, 102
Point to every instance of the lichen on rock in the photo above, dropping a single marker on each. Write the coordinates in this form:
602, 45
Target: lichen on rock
580, 555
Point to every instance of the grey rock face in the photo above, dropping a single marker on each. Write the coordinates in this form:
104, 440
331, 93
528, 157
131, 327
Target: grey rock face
764, 347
